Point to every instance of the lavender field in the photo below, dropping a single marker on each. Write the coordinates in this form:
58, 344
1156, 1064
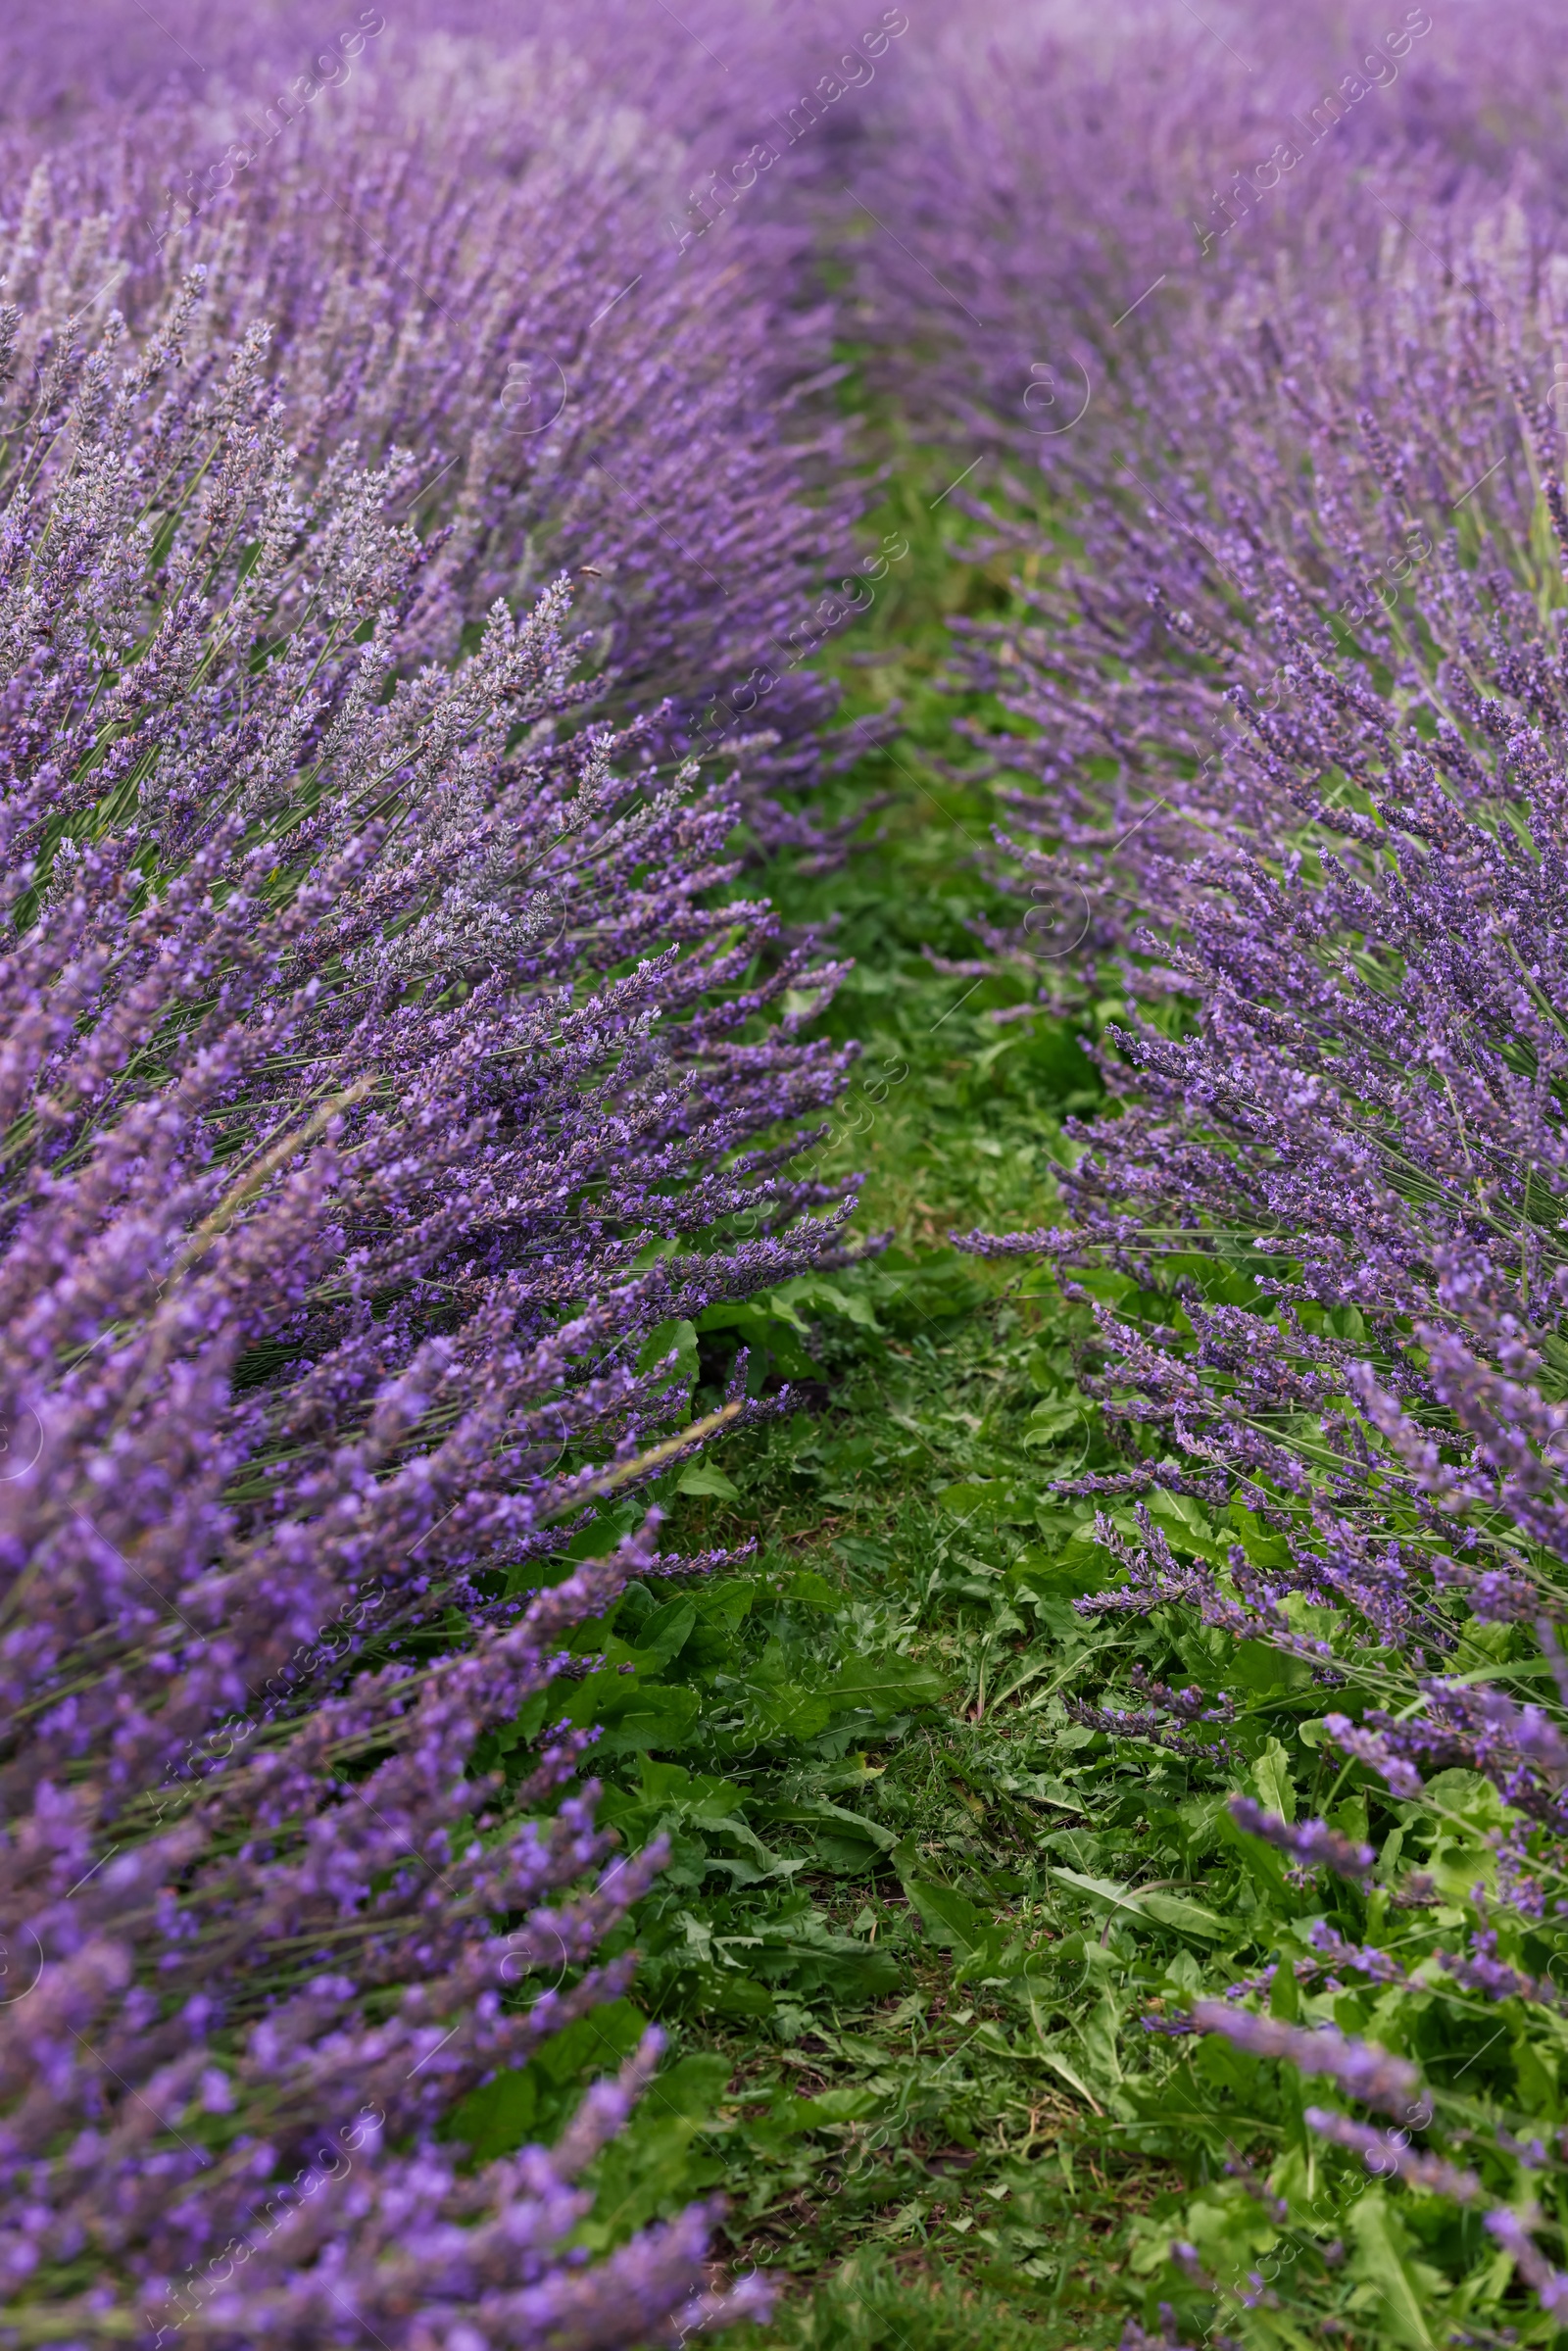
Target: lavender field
783, 1176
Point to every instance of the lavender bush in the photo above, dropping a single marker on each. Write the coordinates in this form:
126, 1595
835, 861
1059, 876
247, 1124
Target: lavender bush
380, 1075
463, 243
1293, 754
1076, 213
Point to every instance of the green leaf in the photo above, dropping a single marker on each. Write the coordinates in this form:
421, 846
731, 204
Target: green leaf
632, 1715
992, 1501
1276, 1789
983, 1949
1070, 2075
1188, 1918
662, 1635
1050, 1422
765, 1333
705, 1477
531, 2103
1098, 2035
845, 1841
672, 1338
813, 1290
1405, 2289
1167, 1910
949, 1918
847, 2105
814, 1589
887, 1686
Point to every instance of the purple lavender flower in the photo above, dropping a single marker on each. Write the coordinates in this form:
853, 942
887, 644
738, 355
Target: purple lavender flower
1388, 2155
385, 1058
1314, 804
1167, 1717
1365, 2072
1551, 2286
1361, 1959
1312, 1843
1484, 1972
1372, 1748
576, 415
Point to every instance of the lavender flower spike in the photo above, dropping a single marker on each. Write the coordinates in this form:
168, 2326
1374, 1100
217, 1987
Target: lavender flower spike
1551, 2286
1314, 1845
1373, 1749
1388, 2156
1361, 2069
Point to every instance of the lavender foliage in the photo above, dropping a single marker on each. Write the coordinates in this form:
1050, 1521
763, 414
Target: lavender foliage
1286, 741
384, 1063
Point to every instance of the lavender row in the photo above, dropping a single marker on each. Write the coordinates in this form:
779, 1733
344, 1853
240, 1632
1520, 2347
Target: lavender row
386, 1058
1286, 728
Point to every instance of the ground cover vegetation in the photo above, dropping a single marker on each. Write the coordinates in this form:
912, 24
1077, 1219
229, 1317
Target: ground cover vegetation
1068, 1655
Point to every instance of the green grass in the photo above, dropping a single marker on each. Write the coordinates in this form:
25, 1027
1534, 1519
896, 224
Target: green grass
915, 1912
856, 1743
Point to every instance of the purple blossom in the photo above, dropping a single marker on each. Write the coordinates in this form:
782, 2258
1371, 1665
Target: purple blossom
1484, 1972
386, 1059
1372, 1748
1549, 2285
1167, 1717
1300, 743
578, 414
1362, 2070
1311, 1843
1388, 2155
1361, 1959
